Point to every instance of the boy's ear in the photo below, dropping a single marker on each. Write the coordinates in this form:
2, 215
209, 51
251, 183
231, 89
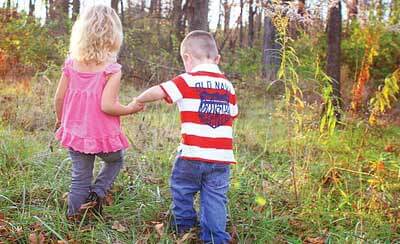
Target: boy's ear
217, 59
186, 56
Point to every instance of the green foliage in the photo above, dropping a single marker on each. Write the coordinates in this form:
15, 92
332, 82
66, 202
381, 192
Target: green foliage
245, 61
385, 96
328, 120
25, 42
387, 54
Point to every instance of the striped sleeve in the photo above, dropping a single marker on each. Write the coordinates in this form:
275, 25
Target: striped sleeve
174, 89
234, 107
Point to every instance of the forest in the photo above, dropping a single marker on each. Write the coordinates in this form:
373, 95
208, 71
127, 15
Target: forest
316, 139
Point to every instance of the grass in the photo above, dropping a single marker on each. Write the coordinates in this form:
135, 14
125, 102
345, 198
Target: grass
348, 184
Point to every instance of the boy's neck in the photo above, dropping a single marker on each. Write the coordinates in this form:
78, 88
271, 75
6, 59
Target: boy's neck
206, 66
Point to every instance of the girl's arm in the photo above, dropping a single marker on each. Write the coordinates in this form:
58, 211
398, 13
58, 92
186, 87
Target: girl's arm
109, 100
59, 98
152, 94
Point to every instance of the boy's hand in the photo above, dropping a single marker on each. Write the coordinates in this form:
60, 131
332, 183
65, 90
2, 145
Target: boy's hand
135, 106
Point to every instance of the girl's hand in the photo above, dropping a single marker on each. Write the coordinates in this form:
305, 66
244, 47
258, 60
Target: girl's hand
57, 125
135, 106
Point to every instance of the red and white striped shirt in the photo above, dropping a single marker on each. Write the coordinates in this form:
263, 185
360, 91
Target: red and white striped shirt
207, 105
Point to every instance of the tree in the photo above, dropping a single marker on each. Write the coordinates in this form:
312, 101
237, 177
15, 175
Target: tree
114, 5
227, 16
352, 6
251, 23
241, 23
334, 29
76, 4
197, 14
271, 50
177, 19
58, 11
32, 7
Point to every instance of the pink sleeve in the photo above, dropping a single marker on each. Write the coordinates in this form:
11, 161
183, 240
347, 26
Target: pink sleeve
67, 66
112, 69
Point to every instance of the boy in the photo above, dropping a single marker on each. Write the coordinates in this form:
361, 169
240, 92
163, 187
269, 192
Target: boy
207, 105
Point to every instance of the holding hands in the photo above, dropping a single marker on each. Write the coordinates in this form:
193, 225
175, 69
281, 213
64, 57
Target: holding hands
135, 106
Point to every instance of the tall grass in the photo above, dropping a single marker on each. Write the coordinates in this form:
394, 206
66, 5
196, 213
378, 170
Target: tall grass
347, 185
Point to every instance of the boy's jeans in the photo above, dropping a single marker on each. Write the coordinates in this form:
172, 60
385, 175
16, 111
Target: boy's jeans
212, 181
82, 175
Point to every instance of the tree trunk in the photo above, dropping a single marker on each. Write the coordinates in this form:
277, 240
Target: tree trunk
251, 24
334, 28
32, 7
153, 7
271, 51
58, 15
8, 6
352, 9
197, 14
241, 23
301, 7
114, 5
76, 5
122, 12
177, 18
227, 16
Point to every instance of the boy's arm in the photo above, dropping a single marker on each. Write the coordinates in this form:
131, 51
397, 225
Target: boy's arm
59, 98
152, 94
109, 100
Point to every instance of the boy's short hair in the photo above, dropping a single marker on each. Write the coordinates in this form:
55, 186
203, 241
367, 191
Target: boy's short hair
200, 44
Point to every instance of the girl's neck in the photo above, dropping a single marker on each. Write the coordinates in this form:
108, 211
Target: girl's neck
89, 66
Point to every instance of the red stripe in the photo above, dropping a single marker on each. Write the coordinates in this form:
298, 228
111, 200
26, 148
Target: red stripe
194, 93
167, 98
193, 117
205, 73
207, 142
203, 160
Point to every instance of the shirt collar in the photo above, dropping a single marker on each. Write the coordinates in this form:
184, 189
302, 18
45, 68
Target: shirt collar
213, 68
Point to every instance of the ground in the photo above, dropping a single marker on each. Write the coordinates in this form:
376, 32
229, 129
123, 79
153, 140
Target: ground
288, 186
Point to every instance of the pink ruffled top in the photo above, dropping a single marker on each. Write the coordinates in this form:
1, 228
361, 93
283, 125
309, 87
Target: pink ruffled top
84, 127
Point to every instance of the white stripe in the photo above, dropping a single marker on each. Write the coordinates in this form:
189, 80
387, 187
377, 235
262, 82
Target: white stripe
192, 80
193, 105
172, 90
207, 153
234, 110
206, 130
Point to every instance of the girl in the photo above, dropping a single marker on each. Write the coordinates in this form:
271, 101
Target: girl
87, 107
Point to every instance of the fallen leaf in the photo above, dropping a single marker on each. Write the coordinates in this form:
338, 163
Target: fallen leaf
2, 216
88, 205
65, 196
36, 238
261, 201
380, 166
185, 238
108, 200
314, 240
389, 148
118, 227
160, 229
152, 180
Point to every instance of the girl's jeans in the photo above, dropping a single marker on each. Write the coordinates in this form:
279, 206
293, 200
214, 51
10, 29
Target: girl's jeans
82, 176
212, 181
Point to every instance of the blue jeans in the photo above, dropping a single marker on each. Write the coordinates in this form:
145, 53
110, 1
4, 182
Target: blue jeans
212, 181
82, 176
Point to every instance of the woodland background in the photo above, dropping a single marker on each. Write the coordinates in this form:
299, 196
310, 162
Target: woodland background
317, 138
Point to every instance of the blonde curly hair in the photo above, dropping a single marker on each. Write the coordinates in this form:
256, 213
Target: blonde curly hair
96, 35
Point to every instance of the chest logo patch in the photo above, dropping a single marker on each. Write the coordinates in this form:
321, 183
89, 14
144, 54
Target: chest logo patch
214, 109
